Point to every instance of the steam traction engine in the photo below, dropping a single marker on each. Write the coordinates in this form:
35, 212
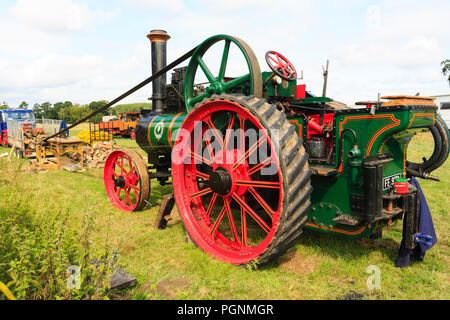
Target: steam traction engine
255, 158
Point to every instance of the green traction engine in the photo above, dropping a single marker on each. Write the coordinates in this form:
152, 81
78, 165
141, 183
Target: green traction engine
254, 158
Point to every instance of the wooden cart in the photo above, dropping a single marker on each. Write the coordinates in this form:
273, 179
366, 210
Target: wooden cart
55, 154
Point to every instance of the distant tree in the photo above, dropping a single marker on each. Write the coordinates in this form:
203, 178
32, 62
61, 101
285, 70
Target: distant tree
57, 107
74, 113
4, 105
132, 107
44, 111
446, 68
23, 105
95, 105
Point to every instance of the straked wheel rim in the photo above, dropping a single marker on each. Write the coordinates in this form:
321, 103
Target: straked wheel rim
125, 181
229, 207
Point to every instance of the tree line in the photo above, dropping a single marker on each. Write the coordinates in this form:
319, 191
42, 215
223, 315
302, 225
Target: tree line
71, 112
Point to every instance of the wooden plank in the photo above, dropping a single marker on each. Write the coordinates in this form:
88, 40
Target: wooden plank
15, 143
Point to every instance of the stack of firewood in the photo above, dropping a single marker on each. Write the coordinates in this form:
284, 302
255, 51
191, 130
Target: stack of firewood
33, 138
95, 156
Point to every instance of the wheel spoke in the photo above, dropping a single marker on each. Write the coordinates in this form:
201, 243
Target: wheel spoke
261, 201
242, 128
202, 175
136, 191
244, 227
218, 220
120, 164
134, 187
127, 196
201, 159
260, 166
210, 148
223, 65
274, 61
211, 204
229, 130
235, 82
250, 151
201, 193
258, 184
252, 213
214, 130
231, 221
205, 69
133, 169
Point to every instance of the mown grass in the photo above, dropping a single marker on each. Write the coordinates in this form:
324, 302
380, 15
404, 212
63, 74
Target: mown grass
319, 266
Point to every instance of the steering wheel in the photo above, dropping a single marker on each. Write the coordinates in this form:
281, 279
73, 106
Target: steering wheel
281, 66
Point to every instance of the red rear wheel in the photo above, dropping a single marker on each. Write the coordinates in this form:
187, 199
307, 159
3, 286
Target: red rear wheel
230, 181
126, 180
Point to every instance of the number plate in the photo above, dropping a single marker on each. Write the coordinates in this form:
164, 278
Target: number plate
388, 182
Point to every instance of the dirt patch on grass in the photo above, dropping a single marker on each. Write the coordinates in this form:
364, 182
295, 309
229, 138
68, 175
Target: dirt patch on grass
299, 263
353, 295
388, 244
169, 289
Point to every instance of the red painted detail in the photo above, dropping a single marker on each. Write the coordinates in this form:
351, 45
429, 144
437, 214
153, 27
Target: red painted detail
314, 128
4, 139
27, 126
120, 165
301, 91
209, 216
401, 187
280, 63
133, 135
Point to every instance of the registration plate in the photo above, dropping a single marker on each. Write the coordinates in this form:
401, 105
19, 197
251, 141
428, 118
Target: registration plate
388, 182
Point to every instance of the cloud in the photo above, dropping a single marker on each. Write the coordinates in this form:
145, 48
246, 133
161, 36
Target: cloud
397, 52
383, 46
53, 15
157, 5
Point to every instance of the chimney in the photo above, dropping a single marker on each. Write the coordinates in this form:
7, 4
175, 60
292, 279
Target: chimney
158, 39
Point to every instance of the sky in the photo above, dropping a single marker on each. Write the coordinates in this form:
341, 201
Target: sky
83, 51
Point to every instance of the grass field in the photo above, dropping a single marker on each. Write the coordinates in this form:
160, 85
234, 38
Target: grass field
166, 266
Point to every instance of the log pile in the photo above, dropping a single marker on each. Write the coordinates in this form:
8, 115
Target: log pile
33, 138
95, 156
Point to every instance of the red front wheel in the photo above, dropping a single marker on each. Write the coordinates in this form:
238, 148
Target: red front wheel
233, 179
126, 180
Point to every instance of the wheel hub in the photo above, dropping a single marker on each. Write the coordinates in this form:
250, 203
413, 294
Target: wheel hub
220, 181
120, 182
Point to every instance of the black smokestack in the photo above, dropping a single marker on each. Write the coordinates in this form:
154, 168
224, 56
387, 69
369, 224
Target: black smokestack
159, 39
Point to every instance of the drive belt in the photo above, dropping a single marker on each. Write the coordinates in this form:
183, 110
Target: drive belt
129, 92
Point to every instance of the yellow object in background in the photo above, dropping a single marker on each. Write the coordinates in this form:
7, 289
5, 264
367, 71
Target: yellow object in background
91, 136
5, 290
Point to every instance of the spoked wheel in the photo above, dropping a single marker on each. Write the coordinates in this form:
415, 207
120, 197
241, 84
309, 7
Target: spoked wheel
281, 66
218, 83
126, 180
241, 179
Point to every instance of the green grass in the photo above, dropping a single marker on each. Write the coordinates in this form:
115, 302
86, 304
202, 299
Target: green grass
319, 266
